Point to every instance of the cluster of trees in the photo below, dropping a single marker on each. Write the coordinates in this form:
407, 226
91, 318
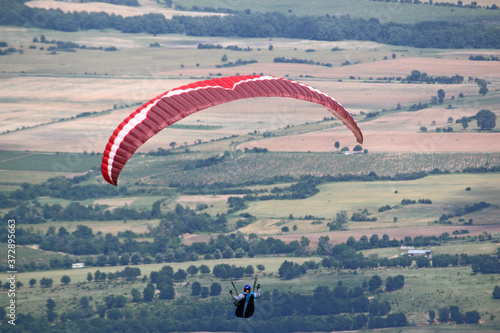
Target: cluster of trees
226, 271
218, 46
459, 3
363, 216
486, 121
238, 62
417, 76
263, 25
34, 213
203, 163
290, 270
483, 58
301, 61
65, 188
452, 313
68, 46
198, 290
167, 247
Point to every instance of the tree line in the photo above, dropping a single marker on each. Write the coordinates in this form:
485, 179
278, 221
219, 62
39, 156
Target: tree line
111, 250
263, 25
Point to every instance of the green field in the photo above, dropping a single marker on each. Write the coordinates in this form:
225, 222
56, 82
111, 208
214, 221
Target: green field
48, 162
443, 190
459, 247
112, 227
384, 11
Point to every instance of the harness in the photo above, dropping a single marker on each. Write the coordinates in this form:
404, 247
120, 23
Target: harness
245, 307
248, 296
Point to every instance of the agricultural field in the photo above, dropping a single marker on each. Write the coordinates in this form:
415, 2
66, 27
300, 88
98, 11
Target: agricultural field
385, 11
58, 110
444, 191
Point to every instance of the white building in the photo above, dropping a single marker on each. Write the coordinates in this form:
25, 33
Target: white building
416, 253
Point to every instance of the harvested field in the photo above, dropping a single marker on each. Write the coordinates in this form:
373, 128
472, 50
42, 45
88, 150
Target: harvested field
127, 201
382, 142
431, 66
366, 70
57, 99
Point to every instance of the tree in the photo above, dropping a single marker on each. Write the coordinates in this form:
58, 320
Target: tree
148, 293
173, 144
472, 317
215, 289
102, 260
432, 316
204, 292
423, 262
192, 270
374, 283
441, 95
180, 275
125, 258
120, 301
109, 301
46, 282
465, 122
486, 120
483, 86
32, 282
65, 279
249, 270
89, 277
136, 295
84, 302
444, 314
357, 148
51, 305
337, 145
224, 58
135, 258
167, 291
496, 292
115, 314
228, 253
195, 288
204, 269
239, 253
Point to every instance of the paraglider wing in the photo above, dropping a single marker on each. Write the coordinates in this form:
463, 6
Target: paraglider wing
178, 103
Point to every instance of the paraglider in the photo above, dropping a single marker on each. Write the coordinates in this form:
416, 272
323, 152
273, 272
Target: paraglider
245, 302
178, 103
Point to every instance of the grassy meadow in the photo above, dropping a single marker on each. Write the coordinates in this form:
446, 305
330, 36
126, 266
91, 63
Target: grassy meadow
443, 190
